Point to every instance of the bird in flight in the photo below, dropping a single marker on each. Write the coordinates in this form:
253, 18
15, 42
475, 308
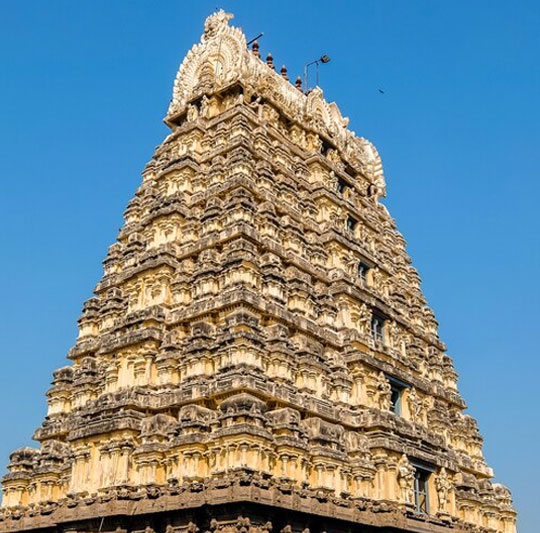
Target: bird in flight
381, 91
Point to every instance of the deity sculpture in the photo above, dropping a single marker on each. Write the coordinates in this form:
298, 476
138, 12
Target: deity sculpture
364, 319
405, 474
192, 112
443, 485
415, 405
384, 392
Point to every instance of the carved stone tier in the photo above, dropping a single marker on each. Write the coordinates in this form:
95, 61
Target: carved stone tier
258, 356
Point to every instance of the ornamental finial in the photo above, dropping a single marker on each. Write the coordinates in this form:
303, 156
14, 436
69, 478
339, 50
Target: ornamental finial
215, 24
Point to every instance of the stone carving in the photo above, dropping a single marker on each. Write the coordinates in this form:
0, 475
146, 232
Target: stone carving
444, 486
157, 426
364, 319
319, 430
227, 352
415, 405
384, 392
192, 414
192, 112
222, 58
242, 403
284, 417
405, 472
357, 445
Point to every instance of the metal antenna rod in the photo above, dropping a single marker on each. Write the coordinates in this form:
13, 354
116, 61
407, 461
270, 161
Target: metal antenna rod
255, 38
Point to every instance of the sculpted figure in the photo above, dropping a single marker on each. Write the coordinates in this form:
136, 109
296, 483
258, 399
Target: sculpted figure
384, 392
270, 114
376, 277
204, 106
192, 113
157, 426
415, 405
297, 135
364, 319
405, 475
266, 528
394, 331
443, 486
192, 528
334, 157
357, 444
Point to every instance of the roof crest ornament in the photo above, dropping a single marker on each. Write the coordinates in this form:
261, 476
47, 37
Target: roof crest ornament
216, 24
223, 58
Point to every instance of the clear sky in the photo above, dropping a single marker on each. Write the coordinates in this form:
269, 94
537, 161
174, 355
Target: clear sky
84, 86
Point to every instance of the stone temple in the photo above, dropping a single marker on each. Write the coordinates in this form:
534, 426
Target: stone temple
258, 356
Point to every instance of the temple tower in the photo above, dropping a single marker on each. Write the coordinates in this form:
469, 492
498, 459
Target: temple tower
258, 356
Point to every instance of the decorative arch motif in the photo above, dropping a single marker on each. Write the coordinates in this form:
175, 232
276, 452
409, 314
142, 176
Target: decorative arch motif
373, 164
316, 110
222, 57
213, 63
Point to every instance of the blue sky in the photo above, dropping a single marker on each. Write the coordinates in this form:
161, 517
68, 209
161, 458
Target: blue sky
84, 86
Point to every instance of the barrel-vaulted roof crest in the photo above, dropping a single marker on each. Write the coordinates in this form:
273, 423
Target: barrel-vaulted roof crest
222, 59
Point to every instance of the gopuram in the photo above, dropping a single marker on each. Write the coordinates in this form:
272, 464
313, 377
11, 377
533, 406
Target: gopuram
258, 356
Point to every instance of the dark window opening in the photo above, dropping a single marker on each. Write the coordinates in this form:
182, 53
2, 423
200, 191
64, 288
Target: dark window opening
421, 495
351, 172
363, 269
341, 186
351, 223
325, 147
395, 399
197, 103
397, 387
377, 328
254, 98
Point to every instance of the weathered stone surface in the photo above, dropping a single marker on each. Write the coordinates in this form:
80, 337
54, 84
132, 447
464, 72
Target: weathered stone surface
258, 356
